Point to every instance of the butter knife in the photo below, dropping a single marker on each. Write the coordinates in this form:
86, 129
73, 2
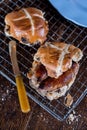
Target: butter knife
23, 99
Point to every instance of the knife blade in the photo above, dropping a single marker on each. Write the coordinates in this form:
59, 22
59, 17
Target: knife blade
23, 99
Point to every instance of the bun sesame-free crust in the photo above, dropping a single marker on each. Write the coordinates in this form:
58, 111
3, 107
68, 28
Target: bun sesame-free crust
27, 25
57, 57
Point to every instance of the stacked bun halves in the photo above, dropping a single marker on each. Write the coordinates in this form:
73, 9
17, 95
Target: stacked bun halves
27, 25
54, 69
55, 64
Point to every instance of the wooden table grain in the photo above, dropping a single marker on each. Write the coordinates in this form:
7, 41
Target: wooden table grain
11, 117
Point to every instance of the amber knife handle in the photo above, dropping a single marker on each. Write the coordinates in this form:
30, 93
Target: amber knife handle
23, 99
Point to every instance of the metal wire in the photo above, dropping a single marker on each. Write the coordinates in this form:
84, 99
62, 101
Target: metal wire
59, 30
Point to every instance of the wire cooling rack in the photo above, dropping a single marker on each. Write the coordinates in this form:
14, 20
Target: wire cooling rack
60, 30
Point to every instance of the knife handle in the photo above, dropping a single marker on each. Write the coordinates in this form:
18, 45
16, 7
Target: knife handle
23, 99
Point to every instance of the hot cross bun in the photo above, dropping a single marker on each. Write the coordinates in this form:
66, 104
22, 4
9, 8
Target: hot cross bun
27, 25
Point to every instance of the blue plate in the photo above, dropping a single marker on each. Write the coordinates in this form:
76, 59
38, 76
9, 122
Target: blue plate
73, 10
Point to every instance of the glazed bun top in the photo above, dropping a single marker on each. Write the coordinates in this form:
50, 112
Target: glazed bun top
27, 25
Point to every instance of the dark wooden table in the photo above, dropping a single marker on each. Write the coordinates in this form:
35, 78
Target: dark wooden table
11, 117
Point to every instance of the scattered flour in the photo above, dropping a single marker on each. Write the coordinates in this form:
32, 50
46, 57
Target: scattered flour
73, 117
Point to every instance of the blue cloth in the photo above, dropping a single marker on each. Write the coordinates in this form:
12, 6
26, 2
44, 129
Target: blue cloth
73, 10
